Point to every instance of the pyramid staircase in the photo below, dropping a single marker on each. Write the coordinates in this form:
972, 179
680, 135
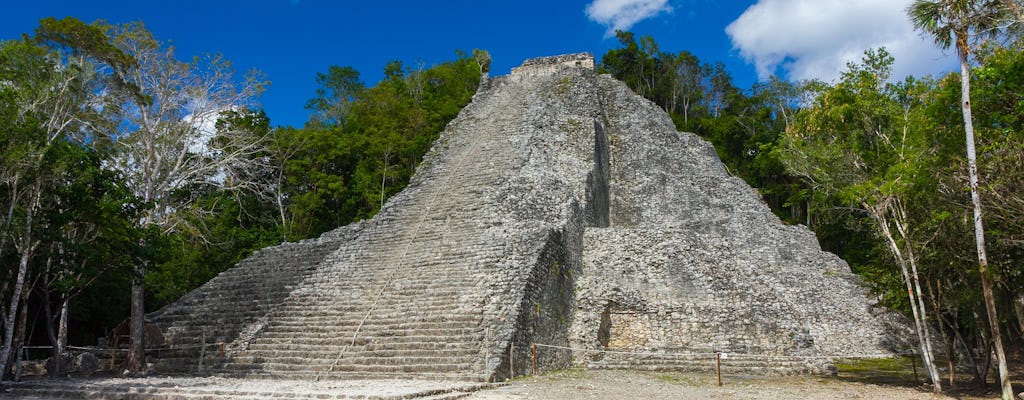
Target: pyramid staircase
401, 295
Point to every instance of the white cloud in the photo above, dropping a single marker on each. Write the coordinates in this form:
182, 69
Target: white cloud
817, 38
623, 14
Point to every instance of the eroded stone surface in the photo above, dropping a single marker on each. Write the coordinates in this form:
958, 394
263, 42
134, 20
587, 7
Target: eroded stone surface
557, 208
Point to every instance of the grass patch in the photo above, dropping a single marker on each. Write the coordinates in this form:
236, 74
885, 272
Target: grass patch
897, 371
861, 365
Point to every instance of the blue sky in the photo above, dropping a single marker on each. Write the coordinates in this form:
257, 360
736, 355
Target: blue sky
291, 40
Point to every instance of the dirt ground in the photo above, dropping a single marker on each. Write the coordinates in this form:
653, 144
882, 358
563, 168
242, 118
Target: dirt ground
616, 384
860, 379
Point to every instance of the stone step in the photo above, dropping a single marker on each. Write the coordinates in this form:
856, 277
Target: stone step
385, 315
259, 390
311, 352
324, 360
362, 340
374, 321
391, 368
376, 346
470, 376
287, 331
382, 317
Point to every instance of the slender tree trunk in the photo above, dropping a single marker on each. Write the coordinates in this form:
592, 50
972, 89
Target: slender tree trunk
948, 345
920, 316
19, 286
279, 198
933, 371
11, 273
62, 326
979, 230
985, 347
20, 334
901, 227
137, 335
51, 333
10, 218
967, 350
1018, 308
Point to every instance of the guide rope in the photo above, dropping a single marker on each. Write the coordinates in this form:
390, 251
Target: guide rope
423, 216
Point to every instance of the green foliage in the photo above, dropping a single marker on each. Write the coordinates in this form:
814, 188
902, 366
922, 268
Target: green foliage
337, 90
342, 172
824, 154
232, 230
83, 217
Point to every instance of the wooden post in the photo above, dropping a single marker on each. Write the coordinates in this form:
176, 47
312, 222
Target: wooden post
22, 355
202, 353
718, 367
221, 350
484, 349
511, 361
534, 359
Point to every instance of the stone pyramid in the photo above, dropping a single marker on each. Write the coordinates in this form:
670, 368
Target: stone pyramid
558, 208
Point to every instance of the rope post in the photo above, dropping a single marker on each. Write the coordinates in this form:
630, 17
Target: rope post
534, 359
221, 349
511, 361
718, 367
202, 353
22, 355
483, 349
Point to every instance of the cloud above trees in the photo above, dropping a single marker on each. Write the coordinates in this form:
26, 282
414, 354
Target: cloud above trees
805, 39
623, 14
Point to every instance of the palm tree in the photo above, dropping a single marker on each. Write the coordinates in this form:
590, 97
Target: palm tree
949, 23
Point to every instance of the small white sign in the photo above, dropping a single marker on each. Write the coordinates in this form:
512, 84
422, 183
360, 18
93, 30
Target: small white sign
725, 356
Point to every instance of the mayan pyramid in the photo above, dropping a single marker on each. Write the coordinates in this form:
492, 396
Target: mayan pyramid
558, 208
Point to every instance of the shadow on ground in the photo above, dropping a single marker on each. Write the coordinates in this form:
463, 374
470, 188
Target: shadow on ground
908, 372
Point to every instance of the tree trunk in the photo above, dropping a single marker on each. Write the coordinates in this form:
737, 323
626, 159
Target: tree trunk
62, 326
979, 230
901, 227
51, 333
920, 315
948, 343
985, 348
19, 286
137, 335
279, 198
10, 217
19, 336
975, 371
1018, 308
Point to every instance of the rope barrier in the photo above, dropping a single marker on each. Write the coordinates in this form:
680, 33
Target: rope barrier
713, 354
107, 349
718, 356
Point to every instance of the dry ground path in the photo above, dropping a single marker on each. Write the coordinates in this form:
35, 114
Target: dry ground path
634, 385
560, 385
